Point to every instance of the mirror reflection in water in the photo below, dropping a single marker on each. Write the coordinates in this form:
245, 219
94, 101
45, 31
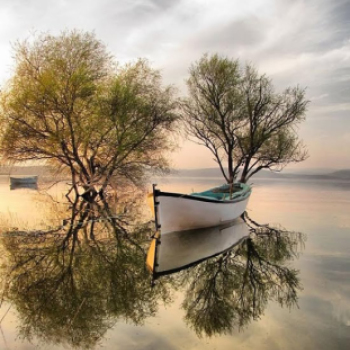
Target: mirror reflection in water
72, 282
77, 278
226, 290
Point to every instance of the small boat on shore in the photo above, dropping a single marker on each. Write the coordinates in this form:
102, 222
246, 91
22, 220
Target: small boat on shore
177, 211
23, 180
178, 250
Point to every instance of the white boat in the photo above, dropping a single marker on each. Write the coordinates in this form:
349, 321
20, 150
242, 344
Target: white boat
23, 180
178, 250
177, 211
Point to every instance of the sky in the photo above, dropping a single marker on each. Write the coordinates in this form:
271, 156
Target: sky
299, 42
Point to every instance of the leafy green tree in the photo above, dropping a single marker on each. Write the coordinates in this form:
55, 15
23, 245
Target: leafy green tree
69, 103
238, 116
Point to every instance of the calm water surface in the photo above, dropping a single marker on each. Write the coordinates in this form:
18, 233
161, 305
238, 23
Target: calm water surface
300, 301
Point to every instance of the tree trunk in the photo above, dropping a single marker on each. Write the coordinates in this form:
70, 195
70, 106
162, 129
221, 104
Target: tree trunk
231, 176
245, 170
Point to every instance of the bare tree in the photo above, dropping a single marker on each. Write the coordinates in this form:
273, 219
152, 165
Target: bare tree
236, 114
269, 138
211, 112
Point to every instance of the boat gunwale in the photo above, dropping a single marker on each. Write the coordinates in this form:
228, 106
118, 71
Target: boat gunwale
24, 178
201, 198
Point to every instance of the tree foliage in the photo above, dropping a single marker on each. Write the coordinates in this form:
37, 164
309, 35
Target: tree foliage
68, 102
238, 116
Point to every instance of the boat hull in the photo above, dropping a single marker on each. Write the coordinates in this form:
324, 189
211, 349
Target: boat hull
175, 212
23, 180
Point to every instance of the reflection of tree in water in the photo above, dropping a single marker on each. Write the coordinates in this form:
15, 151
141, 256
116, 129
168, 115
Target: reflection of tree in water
230, 290
71, 284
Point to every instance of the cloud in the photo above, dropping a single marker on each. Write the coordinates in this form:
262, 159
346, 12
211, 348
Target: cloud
304, 43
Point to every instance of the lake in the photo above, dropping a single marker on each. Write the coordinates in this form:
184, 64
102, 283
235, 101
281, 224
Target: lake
291, 291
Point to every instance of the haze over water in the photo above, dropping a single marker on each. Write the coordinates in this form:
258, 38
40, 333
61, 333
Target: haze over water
320, 320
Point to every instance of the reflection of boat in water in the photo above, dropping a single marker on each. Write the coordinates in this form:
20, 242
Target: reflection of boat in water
30, 186
177, 212
23, 180
177, 250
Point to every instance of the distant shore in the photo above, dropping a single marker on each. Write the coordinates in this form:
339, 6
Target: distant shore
46, 171
343, 174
